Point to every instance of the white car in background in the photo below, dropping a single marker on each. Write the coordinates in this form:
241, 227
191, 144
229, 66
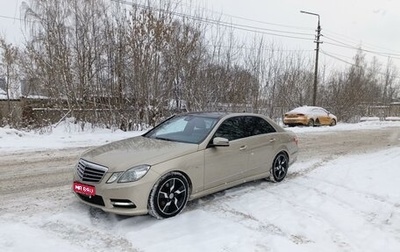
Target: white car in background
309, 116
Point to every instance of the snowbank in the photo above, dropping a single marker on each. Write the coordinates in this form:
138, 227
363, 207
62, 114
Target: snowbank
67, 134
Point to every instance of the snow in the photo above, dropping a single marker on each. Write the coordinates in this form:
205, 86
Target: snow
367, 125
67, 134
347, 204
303, 109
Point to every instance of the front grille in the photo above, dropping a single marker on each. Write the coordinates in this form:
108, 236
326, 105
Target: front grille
90, 172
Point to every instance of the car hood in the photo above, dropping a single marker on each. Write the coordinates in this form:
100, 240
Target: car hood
124, 154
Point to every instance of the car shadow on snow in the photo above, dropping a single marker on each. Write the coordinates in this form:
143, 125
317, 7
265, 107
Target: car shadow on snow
100, 217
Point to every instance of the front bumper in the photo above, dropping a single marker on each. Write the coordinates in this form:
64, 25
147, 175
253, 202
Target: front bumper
120, 198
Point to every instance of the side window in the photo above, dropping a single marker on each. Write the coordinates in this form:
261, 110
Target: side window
231, 128
321, 112
256, 126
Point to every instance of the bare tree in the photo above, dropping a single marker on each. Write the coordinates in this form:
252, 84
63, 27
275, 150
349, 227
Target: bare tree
118, 64
9, 65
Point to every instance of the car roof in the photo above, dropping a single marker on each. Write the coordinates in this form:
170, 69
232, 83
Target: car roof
304, 109
220, 114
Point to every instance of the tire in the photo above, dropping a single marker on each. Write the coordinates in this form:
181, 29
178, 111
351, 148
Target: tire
317, 123
168, 196
279, 167
333, 123
310, 123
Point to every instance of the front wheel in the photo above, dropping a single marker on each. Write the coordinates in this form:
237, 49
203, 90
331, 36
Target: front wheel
333, 122
279, 167
169, 196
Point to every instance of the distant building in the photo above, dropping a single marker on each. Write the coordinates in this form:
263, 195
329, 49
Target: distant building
3, 94
30, 89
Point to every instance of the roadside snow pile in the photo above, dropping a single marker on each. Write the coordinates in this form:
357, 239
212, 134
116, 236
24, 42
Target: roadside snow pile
67, 134
347, 126
7, 132
392, 118
375, 118
369, 119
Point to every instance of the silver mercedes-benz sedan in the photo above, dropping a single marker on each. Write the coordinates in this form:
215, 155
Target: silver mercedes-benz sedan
183, 158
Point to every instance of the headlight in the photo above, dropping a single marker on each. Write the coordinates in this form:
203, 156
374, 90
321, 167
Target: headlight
114, 177
130, 175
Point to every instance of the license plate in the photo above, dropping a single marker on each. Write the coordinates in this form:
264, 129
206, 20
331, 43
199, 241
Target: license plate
84, 189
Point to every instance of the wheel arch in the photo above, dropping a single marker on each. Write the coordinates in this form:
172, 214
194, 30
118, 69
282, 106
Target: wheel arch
271, 175
176, 171
282, 151
162, 177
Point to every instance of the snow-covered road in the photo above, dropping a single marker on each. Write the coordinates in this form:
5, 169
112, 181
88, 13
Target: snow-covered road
341, 195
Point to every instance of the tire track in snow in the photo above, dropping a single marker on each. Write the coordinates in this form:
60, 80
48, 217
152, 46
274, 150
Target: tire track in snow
380, 217
88, 237
252, 223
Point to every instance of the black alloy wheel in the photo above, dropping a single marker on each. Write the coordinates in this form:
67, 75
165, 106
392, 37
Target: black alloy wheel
279, 167
169, 196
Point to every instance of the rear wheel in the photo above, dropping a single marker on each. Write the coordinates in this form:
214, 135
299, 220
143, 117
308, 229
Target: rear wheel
279, 167
310, 123
169, 196
333, 122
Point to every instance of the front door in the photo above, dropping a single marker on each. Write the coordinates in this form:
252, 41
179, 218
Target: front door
226, 164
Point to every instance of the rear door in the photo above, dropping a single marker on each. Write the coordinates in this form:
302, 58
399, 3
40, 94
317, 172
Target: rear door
261, 140
324, 116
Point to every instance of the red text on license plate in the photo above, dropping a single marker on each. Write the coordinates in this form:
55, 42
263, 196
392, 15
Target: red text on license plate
84, 189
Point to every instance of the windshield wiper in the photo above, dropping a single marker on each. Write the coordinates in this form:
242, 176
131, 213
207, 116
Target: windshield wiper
165, 139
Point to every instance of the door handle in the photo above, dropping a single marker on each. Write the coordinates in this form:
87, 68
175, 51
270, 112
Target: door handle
272, 140
243, 147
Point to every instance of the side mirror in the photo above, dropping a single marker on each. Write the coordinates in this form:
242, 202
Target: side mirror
220, 141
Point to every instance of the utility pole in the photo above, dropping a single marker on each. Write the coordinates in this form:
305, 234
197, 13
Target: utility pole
317, 41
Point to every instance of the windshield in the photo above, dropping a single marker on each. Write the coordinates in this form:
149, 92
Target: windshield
184, 128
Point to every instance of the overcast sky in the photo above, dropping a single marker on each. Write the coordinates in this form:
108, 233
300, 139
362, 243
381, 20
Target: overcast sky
345, 23
373, 24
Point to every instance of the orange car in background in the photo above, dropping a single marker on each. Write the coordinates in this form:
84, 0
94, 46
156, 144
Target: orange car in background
309, 116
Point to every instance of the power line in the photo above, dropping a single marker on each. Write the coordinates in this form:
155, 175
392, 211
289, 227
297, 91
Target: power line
342, 55
352, 64
254, 20
252, 48
352, 40
334, 57
253, 29
241, 27
12, 18
260, 30
344, 45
